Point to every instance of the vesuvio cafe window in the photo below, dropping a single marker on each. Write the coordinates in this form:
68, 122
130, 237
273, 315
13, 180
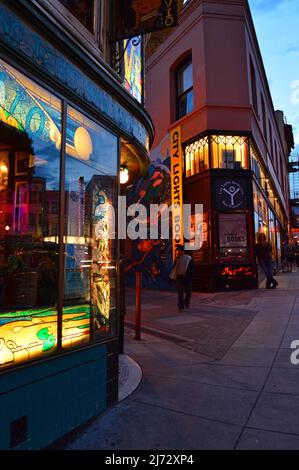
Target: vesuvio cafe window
30, 160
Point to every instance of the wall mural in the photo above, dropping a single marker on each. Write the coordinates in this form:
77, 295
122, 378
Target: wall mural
152, 257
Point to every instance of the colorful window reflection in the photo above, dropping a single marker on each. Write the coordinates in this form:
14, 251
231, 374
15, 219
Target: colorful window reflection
90, 263
30, 130
30, 154
197, 157
230, 152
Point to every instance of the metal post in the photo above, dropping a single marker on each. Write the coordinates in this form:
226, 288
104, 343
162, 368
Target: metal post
138, 307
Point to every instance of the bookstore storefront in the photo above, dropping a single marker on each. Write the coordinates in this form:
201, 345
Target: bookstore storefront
239, 202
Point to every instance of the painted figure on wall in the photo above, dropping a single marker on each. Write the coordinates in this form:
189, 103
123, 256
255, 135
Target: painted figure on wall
153, 257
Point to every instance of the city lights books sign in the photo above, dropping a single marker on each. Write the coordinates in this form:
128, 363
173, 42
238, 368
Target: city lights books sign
136, 17
176, 189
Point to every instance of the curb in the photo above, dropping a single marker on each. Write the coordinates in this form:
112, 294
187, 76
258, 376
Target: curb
129, 376
158, 333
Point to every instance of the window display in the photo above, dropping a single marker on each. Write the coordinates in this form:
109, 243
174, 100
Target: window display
90, 265
30, 160
30, 123
233, 241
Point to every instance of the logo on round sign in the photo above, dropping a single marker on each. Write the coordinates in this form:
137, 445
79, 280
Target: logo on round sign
232, 194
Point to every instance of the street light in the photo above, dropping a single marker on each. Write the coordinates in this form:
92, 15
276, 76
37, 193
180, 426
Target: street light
123, 175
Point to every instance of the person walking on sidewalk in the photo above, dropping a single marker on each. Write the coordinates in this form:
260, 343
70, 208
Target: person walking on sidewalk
290, 256
264, 256
182, 274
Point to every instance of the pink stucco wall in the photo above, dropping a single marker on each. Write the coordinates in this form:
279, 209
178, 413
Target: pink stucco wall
221, 38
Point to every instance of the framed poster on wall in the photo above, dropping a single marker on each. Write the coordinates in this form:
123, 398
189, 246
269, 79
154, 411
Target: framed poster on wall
233, 239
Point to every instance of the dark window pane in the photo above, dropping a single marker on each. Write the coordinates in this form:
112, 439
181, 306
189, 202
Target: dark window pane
184, 90
190, 104
185, 104
30, 138
185, 79
83, 10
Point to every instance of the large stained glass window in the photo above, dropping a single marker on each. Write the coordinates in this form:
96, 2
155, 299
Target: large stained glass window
30, 139
30, 217
90, 264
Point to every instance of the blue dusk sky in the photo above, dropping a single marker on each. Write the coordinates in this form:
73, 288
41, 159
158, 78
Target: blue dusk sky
277, 27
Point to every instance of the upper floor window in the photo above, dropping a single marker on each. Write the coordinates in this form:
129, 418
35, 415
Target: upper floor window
83, 10
184, 89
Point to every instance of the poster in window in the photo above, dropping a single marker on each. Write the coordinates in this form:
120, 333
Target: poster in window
232, 230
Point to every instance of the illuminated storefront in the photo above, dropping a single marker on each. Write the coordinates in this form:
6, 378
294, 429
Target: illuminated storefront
225, 256
30, 198
235, 145
63, 138
239, 203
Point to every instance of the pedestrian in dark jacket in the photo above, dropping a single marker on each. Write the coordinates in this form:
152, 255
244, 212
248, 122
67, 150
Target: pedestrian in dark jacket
264, 256
290, 256
183, 270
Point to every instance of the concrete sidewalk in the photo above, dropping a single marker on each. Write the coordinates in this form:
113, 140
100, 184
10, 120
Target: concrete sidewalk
217, 376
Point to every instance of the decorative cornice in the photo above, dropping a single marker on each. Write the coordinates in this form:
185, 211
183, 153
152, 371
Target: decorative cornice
96, 73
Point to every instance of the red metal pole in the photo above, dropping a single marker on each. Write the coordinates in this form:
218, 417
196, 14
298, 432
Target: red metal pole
138, 307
